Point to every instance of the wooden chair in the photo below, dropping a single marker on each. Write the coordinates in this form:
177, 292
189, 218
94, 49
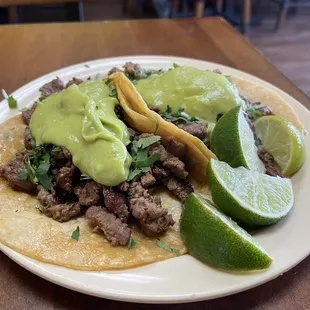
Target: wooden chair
284, 6
74, 7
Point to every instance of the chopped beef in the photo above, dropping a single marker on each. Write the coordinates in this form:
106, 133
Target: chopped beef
148, 179
11, 172
115, 202
55, 208
269, 162
124, 186
75, 81
169, 161
253, 108
132, 132
55, 86
154, 108
62, 158
175, 147
264, 110
115, 231
46, 198
198, 130
146, 208
63, 154
113, 70
64, 178
134, 70
26, 115
180, 188
89, 194
28, 139
63, 212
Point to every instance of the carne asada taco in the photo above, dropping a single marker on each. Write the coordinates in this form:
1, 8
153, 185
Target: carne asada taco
95, 173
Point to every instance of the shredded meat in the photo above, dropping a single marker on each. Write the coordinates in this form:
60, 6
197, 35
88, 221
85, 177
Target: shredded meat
180, 188
28, 139
198, 130
148, 179
115, 231
55, 86
115, 202
89, 194
147, 209
113, 70
46, 198
175, 147
134, 70
269, 162
64, 178
26, 115
63, 212
11, 172
75, 81
169, 161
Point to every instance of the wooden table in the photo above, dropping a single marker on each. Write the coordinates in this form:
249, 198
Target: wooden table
28, 52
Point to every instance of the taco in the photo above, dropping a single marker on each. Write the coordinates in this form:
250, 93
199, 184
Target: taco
94, 174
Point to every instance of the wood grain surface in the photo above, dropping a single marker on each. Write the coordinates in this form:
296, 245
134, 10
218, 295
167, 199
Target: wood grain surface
27, 52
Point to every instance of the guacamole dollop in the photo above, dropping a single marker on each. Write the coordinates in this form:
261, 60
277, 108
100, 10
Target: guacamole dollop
82, 119
202, 94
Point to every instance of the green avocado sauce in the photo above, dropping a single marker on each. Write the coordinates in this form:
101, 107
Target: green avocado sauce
82, 119
202, 94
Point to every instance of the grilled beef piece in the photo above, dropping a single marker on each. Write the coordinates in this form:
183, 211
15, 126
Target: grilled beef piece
147, 209
75, 81
55, 208
115, 231
198, 130
132, 132
28, 139
64, 178
62, 158
169, 161
53, 87
89, 194
11, 172
175, 147
180, 188
113, 70
148, 179
269, 162
252, 107
124, 186
63, 154
26, 115
134, 70
115, 202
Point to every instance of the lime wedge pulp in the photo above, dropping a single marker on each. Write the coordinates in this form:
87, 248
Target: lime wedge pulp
250, 197
283, 141
218, 241
232, 141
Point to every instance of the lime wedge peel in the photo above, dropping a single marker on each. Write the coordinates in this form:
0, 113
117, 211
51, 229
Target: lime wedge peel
252, 198
217, 240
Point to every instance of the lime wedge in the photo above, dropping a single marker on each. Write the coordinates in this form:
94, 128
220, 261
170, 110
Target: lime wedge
283, 141
232, 141
217, 240
248, 196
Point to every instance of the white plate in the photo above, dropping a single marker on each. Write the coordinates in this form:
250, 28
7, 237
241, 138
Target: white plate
181, 279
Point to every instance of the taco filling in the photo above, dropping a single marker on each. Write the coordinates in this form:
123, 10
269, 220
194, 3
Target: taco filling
120, 156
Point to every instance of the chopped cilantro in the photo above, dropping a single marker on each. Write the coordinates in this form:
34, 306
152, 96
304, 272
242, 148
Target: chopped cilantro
21, 150
131, 243
135, 172
167, 248
175, 65
6, 135
44, 178
179, 115
22, 175
12, 102
145, 142
252, 110
76, 234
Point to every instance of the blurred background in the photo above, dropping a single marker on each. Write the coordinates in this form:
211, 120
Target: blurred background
280, 29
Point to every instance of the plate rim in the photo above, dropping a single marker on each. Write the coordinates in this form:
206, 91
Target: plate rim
32, 265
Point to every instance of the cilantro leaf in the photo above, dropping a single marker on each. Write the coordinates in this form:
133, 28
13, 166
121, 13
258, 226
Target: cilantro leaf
6, 135
145, 142
167, 248
179, 115
42, 175
175, 65
147, 161
76, 234
22, 175
12, 102
131, 243
55, 149
135, 172
252, 110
